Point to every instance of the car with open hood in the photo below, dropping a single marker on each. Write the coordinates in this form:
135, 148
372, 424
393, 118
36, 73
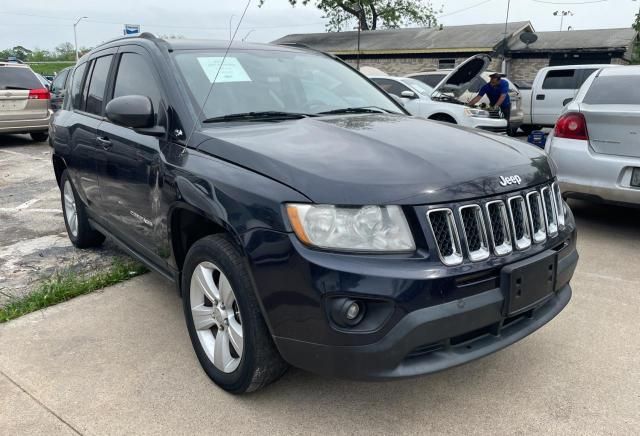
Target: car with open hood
305, 217
422, 100
461, 84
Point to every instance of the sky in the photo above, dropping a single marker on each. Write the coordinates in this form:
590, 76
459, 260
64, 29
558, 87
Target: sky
44, 23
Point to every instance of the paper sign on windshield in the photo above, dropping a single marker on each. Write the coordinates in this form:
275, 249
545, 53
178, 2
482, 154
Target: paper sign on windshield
231, 71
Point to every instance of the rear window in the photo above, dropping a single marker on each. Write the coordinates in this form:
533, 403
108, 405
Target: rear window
614, 90
430, 79
18, 78
560, 79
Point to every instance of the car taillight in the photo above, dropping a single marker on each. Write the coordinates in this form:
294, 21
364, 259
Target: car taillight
572, 125
39, 94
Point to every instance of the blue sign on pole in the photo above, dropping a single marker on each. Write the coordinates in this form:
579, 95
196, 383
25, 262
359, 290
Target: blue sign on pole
131, 29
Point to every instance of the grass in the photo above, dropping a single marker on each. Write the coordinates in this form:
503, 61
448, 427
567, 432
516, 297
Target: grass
64, 286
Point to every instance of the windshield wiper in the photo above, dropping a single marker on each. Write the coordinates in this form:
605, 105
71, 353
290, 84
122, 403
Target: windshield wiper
358, 110
255, 116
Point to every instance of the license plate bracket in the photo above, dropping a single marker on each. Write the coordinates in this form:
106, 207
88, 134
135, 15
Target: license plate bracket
528, 283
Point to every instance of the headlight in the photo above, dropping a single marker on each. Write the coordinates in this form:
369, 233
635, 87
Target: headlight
479, 113
367, 228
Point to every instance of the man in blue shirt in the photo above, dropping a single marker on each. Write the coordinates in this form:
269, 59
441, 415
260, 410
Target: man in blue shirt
497, 91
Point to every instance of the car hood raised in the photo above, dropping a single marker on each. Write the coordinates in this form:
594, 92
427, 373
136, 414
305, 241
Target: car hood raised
458, 81
378, 158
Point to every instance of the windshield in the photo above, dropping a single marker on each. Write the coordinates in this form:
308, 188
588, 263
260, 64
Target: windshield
418, 86
271, 80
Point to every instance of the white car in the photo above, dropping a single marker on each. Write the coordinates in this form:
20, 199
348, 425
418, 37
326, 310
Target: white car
440, 103
596, 141
433, 78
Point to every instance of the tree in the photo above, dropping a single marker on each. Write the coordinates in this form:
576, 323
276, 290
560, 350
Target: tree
20, 52
372, 14
65, 52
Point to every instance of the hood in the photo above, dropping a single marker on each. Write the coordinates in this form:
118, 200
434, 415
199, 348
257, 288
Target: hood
458, 81
378, 158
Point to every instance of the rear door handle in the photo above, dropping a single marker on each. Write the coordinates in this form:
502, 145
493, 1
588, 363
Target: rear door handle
105, 142
540, 97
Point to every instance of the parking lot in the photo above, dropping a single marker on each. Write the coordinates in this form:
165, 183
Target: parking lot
33, 241
120, 360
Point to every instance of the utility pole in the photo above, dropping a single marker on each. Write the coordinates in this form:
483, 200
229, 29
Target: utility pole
562, 15
358, 7
75, 35
504, 41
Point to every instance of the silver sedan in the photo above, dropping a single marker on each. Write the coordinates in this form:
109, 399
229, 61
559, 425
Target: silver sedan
596, 141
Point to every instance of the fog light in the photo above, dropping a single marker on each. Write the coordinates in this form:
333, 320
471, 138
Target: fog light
347, 312
353, 311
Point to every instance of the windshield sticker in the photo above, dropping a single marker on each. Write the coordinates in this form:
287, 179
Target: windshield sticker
231, 71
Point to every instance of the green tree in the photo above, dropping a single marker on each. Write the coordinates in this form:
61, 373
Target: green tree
373, 14
65, 52
20, 52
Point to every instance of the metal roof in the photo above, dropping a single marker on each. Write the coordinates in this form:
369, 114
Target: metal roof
470, 38
591, 39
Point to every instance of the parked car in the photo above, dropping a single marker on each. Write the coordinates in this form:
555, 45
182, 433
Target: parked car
422, 100
24, 101
596, 140
432, 78
553, 88
43, 80
304, 216
58, 88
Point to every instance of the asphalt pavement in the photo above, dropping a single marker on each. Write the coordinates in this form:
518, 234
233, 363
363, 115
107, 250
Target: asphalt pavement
120, 361
33, 240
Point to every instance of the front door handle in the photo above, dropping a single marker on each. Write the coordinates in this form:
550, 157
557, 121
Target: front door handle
105, 142
540, 97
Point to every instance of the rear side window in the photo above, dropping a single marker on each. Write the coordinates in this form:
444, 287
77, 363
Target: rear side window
76, 86
560, 79
58, 82
18, 78
135, 77
584, 75
614, 90
95, 95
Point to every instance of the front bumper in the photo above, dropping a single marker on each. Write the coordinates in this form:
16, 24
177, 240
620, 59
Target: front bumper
427, 340
489, 124
442, 316
582, 173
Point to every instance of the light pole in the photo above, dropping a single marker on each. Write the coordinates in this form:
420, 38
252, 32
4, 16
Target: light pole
562, 15
230, 23
75, 36
247, 35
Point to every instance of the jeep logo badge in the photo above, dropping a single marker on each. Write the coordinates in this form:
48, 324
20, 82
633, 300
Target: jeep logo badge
511, 180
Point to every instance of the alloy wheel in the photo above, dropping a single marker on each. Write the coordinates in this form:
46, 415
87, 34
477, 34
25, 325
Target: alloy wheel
216, 317
70, 210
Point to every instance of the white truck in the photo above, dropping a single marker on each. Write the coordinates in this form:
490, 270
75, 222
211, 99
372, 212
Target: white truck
551, 90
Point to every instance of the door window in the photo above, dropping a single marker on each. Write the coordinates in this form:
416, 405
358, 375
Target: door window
135, 77
391, 86
95, 95
76, 86
560, 79
585, 73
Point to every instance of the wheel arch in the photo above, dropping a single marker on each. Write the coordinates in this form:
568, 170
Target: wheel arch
443, 116
59, 165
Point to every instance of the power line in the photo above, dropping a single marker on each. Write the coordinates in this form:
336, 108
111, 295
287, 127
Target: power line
570, 3
464, 9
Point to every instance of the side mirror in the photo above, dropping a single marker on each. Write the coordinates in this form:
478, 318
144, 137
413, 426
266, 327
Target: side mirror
567, 101
408, 94
136, 112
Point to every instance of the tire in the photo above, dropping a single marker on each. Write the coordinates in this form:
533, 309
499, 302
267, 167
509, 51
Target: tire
230, 322
443, 118
512, 131
80, 232
528, 128
39, 136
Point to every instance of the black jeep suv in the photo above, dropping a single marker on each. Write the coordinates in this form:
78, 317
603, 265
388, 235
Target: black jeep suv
304, 216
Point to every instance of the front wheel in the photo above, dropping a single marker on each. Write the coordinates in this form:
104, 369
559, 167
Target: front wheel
226, 327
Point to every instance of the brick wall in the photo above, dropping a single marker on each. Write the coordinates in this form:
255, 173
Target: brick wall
526, 68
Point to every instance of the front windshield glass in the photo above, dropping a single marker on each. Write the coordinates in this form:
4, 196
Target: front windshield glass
419, 86
272, 80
